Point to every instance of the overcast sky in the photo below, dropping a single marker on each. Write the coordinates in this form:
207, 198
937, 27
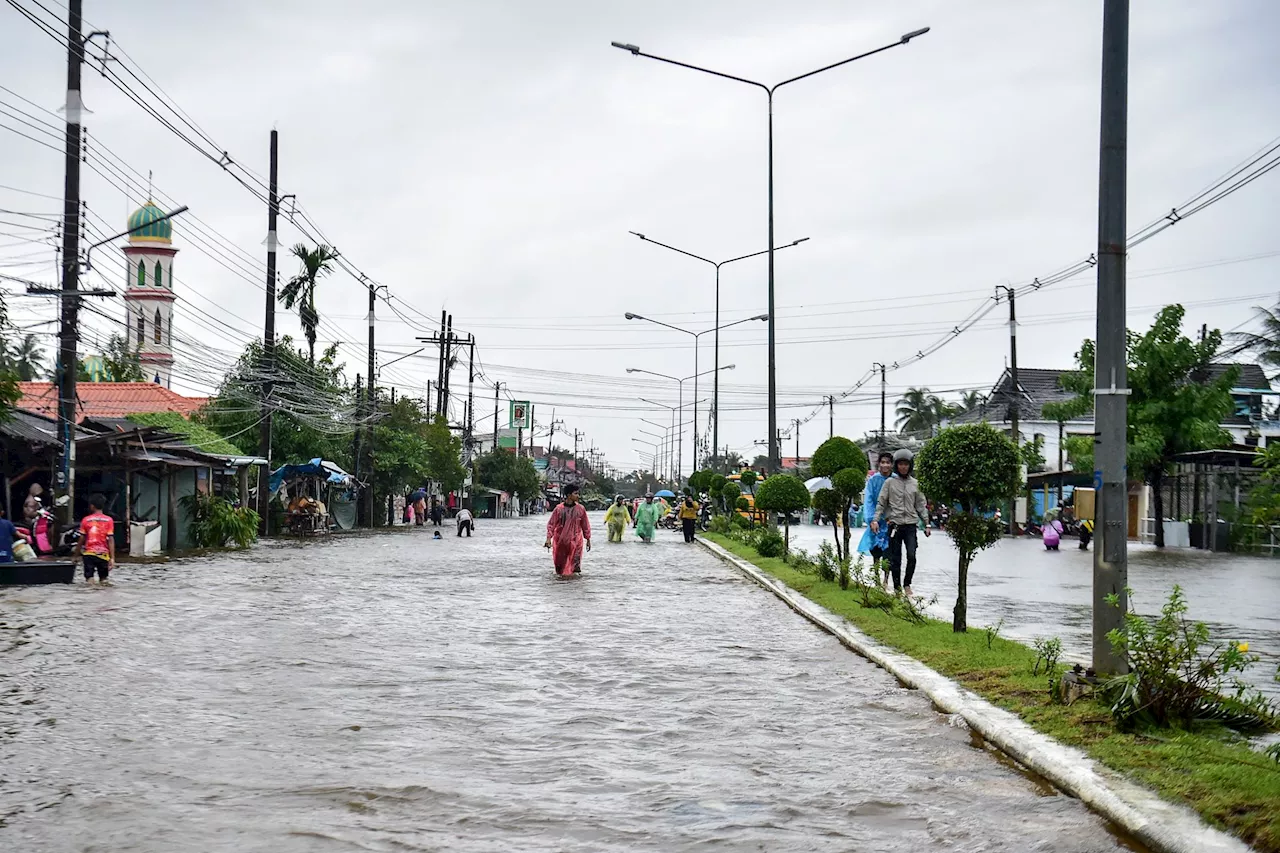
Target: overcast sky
490, 158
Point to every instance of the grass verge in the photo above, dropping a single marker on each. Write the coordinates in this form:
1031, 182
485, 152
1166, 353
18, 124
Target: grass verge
1230, 785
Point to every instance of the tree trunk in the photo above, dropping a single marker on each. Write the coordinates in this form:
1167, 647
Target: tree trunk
786, 528
959, 618
847, 532
1157, 482
836, 536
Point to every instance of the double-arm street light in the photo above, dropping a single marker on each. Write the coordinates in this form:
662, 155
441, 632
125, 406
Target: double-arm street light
666, 433
769, 90
680, 382
695, 335
715, 395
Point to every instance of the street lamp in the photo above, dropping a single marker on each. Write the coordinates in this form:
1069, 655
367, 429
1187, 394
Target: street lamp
634, 50
695, 335
715, 395
666, 430
680, 383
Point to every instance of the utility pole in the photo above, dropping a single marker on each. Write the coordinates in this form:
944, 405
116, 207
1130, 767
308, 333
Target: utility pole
1110, 551
469, 438
1014, 400
372, 405
577, 436
269, 338
440, 361
796, 423
831, 416
497, 387
68, 358
884, 393
448, 356
355, 449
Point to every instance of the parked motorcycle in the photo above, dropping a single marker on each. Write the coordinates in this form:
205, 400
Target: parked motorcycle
49, 538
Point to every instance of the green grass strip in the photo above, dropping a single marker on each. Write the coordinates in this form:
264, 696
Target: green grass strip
1230, 785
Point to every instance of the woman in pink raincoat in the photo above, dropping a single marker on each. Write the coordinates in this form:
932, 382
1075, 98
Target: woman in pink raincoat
567, 530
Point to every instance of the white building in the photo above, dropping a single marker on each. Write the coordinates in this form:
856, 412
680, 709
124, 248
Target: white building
148, 298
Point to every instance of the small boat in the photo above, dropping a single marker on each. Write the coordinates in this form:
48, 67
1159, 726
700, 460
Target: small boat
37, 572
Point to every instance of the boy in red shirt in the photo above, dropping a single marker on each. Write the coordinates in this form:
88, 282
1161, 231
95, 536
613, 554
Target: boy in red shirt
97, 541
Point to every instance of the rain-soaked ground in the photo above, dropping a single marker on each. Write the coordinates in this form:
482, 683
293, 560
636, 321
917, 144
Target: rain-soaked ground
394, 693
1040, 593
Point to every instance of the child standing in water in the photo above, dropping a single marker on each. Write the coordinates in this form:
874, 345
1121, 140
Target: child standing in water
567, 531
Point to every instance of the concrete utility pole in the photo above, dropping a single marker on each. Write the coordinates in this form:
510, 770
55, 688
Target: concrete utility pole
444, 316
269, 336
1015, 397
68, 357
796, 423
497, 388
884, 390
355, 438
371, 408
831, 416
1110, 550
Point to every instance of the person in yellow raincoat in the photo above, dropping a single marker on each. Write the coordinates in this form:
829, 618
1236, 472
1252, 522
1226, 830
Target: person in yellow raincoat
617, 517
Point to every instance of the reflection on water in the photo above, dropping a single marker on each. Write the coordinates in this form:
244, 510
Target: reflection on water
396, 693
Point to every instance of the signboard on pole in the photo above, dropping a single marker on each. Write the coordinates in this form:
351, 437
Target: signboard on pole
521, 414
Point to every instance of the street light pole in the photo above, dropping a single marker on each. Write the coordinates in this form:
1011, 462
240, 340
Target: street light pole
695, 335
680, 382
769, 90
715, 394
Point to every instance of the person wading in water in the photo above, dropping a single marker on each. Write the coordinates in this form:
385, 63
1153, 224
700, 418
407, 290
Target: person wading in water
567, 531
617, 517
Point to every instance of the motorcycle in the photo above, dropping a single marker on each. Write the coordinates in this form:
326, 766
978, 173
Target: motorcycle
49, 538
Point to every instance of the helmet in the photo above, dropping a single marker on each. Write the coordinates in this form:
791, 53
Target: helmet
903, 454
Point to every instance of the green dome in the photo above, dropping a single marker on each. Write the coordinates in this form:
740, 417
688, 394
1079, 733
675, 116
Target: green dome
144, 220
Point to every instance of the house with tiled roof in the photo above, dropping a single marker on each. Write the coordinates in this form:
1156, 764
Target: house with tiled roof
1248, 424
108, 399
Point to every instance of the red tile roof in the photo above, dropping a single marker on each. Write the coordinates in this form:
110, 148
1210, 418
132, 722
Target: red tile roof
108, 399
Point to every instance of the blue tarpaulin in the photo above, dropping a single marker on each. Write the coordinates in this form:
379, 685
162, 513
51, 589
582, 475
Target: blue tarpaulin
315, 468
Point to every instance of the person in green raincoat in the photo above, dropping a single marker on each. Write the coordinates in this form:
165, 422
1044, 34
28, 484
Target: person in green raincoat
647, 515
617, 516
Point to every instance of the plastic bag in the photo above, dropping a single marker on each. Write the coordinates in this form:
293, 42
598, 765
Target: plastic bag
22, 552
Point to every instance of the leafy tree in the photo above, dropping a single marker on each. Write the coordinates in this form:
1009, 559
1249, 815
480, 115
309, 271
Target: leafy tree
785, 494
700, 481
119, 364
970, 401
829, 503
301, 289
9, 392
312, 405
716, 487
400, 454
1032, 454
729, 494
503, 470
1064, 411
730, 463
1266, 343
760, 463
1264, 499
26, 361
919, 412
974, 465
749, 478
833, 456
444, 457
1173, 406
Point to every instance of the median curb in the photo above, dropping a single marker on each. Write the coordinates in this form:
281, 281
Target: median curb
1163, 826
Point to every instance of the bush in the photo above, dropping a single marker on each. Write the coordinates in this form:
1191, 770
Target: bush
801, 562
1177, 676
212, 522
742, 505
729, 494
719, 524
769, 543
836, 454
785, 494
741, 521
748, 478
828, 562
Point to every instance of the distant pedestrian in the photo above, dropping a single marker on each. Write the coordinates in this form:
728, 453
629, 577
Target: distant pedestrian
437, 513
616, 518
647, 516
901, 505
466, 521
31, 505
1086, 533
419, 501
97, 542
568, 530
1052, 533
688, 518
876, 542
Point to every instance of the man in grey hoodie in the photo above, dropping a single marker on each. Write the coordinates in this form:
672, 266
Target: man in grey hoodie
901, 505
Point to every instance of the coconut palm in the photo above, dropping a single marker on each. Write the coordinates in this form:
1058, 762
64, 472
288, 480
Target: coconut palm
301, 289
1265, 344
919, 411
970, 401
26, 361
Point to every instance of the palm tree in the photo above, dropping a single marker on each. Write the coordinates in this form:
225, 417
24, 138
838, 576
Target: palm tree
301, 289
919, 411
970, 401
26, 361
1265, 344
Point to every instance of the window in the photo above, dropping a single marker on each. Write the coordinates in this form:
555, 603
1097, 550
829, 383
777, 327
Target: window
159, 326
142, 274
159, 275
142, 329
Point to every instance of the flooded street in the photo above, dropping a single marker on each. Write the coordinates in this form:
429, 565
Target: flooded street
394, 693
1041, 593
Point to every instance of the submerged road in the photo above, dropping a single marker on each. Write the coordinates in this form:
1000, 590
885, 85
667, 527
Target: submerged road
395, 693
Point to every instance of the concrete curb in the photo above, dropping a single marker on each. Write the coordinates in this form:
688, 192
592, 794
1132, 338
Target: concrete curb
1163, 826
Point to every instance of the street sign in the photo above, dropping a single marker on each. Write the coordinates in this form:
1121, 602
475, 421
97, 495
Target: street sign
521, 414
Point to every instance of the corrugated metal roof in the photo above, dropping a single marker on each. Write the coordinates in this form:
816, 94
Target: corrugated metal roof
25, 426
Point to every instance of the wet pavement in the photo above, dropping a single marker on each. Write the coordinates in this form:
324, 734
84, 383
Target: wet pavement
394, 693
1040, 593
